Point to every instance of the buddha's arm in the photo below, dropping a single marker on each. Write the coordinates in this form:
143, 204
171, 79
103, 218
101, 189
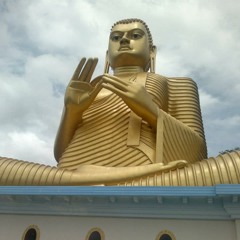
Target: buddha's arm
68, 125
180, 132
176, 140
78, 97
15, 172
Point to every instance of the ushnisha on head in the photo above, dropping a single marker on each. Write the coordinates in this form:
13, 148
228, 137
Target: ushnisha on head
130, 44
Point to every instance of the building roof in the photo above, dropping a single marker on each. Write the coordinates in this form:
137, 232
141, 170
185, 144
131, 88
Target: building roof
216, 202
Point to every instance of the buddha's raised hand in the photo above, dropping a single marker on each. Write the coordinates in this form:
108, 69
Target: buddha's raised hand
80, 93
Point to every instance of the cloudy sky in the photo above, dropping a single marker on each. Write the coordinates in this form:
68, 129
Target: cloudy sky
42, 41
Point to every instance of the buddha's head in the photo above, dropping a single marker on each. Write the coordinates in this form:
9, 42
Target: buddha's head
130, 44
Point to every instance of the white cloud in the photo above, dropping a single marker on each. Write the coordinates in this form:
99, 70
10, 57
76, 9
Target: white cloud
42, 41
207, 101
27, 146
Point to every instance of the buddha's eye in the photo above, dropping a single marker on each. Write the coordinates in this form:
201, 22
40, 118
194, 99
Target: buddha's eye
115, 37
136, 36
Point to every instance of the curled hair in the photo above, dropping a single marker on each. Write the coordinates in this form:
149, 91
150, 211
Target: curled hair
132, 20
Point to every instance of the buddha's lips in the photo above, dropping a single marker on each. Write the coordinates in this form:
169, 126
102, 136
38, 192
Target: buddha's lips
124, 48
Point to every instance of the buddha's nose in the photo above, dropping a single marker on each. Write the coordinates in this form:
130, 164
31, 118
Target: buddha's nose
124, 40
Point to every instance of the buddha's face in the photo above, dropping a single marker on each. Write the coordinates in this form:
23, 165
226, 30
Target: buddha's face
128, 46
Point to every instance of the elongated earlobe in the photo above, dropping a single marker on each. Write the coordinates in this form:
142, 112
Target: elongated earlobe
107, 65
153, 59
152, 64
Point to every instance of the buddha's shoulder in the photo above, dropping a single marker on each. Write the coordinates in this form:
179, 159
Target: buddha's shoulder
181, 79
185, 82
174, 79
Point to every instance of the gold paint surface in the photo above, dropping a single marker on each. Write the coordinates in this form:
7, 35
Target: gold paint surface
131, 128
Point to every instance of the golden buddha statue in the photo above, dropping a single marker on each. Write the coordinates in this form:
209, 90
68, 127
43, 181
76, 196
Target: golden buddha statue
134, 127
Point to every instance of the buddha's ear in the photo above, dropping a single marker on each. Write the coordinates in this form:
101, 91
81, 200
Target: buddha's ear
153, 53
106, 66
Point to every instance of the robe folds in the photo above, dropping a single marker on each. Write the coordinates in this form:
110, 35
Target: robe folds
113, 135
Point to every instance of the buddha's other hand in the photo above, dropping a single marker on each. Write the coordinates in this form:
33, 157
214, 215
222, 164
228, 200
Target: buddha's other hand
134, 95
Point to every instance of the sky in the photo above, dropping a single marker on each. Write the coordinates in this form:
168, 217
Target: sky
41, 43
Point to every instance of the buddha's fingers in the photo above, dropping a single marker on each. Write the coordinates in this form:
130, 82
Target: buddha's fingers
91, 70
174, 165
86, 69
116, 87
78, 69
115, 79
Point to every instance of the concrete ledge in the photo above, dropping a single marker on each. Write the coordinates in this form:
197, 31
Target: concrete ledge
216, 202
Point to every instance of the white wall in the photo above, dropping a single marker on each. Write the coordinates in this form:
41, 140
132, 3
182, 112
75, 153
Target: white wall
76, 228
